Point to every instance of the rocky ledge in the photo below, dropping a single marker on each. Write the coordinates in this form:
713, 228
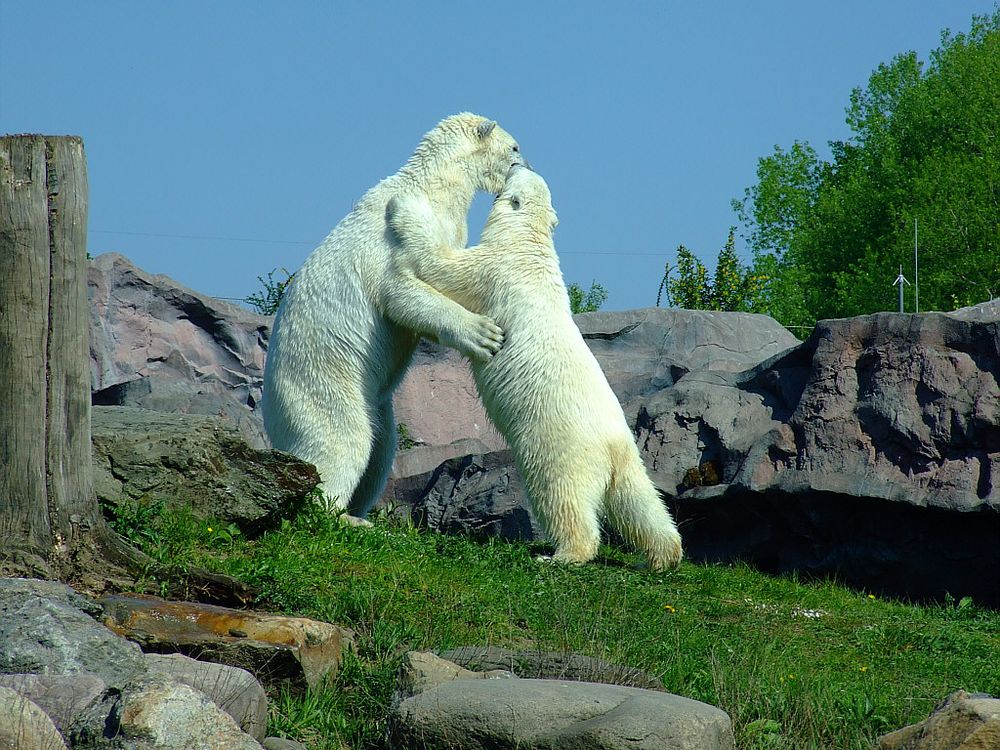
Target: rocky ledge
869, 452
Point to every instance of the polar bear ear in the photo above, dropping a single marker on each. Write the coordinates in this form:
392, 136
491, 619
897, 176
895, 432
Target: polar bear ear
483, 129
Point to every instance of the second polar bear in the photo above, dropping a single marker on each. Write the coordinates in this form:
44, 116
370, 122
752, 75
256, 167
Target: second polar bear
544, 389
348, 324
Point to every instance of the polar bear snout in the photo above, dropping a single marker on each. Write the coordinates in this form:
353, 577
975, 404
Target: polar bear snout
523, 164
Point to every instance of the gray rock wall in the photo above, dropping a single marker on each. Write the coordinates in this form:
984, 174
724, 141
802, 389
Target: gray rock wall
158, 345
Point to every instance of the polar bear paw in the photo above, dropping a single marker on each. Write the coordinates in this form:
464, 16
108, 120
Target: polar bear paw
348, 520
478, 337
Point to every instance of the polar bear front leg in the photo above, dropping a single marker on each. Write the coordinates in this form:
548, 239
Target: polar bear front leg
415, 302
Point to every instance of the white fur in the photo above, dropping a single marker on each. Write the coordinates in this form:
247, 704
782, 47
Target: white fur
349, 322
544, 389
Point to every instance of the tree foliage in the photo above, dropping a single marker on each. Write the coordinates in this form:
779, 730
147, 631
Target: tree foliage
581, 301
732, 288
829, 236
267, 300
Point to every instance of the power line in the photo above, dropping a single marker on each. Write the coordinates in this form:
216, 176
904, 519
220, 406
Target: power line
313, 244
202, 237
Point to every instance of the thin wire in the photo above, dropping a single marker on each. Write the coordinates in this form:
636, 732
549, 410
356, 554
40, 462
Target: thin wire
202, 237
313, 244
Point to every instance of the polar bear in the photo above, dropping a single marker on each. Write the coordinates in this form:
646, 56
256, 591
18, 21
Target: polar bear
544, 390
347, 327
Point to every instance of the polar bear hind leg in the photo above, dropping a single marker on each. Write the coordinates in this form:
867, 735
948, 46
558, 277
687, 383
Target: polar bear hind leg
567, 504
384, 439
337, 437
635, 510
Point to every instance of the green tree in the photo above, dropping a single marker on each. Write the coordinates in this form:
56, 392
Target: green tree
829, 236
732, 288
691, 289
586, 301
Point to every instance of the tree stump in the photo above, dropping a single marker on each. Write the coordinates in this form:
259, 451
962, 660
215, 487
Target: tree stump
46, 486
51, 525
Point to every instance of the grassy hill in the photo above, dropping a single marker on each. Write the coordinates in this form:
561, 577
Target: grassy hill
795, 664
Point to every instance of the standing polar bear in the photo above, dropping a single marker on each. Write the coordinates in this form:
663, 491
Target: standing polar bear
544, 389
347, 327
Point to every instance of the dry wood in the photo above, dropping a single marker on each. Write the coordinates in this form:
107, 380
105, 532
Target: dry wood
50, 521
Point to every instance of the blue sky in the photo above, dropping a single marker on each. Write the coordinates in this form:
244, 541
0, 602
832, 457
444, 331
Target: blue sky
225, 139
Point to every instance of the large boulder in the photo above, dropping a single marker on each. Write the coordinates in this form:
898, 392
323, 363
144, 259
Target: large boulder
644, 351
159, 345
194, 461
961, 722
47, 628
640, 351
169, 715
277, 649
63, 697
478, 714
24, 725
479, 495
550, 665
871, 452
234, 690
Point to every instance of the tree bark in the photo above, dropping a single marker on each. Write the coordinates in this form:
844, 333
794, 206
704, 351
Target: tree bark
46, 486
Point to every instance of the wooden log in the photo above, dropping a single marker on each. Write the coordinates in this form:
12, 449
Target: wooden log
50, 522
46, 487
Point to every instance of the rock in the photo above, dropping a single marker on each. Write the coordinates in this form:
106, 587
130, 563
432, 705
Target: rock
643, 351
53, 637
422, 670
159, 345
168, 715
232, 689
550, 665
640, 351
197, 461
870, 452
275, 648
984, 312
555, 715
25, 725
478, 496
437, 401
63, 698
961, 722
24, 589
422, 459
278, 743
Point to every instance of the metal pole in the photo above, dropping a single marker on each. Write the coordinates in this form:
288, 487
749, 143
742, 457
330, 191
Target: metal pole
916, 275
901, 282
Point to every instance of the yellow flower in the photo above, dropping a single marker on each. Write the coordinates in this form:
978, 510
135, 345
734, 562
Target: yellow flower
863, 668
871, 596
209, 529
669, 608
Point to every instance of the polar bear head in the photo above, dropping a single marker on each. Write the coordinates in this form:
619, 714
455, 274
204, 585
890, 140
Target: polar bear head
482, 150
523, 209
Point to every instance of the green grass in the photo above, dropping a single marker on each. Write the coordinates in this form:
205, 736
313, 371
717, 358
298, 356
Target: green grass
796, 665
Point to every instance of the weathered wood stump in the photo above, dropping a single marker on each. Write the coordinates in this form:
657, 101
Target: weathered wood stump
51, 525
46, 489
